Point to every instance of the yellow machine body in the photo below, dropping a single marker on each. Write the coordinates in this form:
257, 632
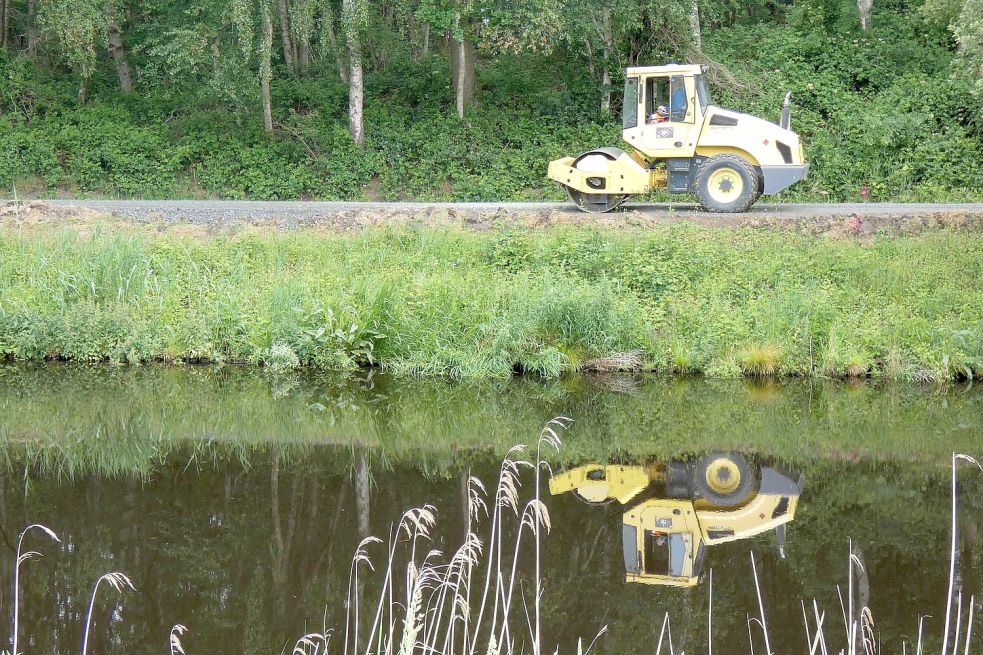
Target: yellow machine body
664, 539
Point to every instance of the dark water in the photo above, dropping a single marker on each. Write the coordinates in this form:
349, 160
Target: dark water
234, 502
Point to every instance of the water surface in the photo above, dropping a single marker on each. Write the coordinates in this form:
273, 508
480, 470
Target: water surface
234, 499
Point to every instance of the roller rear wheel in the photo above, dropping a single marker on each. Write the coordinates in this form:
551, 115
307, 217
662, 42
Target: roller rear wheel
727, 183
726, 479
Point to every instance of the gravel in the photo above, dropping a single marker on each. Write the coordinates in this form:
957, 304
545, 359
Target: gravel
224, 215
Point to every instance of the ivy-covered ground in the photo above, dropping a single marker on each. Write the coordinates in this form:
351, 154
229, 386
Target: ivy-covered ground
885, 114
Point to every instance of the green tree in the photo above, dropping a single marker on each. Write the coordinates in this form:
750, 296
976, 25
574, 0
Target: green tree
253, 22
78, 29
496, 26
964, 19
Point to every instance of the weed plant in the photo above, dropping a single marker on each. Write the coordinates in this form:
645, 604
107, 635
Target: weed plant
448, 302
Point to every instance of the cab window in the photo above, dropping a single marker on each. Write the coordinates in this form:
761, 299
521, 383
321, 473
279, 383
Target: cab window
656, 553
702, 92
667, 100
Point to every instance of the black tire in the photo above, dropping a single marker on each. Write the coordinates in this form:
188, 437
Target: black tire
759, 190
749, 184
592, 503
717, 463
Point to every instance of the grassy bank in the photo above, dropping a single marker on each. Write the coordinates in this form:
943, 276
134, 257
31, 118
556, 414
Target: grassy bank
432, 301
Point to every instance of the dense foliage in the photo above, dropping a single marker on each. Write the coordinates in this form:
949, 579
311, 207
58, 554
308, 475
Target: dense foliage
463, 304
163, 99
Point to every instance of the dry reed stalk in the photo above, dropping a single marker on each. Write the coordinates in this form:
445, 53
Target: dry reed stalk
952, 553
761, 605
174, 640
20, 559
116, 580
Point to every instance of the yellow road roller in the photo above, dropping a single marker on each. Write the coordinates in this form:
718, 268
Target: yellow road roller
681, 142
675, 509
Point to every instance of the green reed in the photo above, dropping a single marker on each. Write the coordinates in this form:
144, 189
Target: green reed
451, 302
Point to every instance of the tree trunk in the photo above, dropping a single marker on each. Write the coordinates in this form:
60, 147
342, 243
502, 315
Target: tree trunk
288, 49
265, 68
304, 53
123, 71
216, 58
355, 91
865, 7
694, 24
425, 50
333, 40
83, 89
362, 495
463, 70
5, 23
608, 38
31, 35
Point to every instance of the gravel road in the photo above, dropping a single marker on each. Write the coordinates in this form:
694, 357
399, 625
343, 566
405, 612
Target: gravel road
222, 215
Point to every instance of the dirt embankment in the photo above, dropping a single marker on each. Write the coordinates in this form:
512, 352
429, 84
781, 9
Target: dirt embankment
221, 217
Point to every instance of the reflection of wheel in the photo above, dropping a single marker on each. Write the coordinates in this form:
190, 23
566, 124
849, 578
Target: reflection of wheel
593, 503
596, 475
726, 183
725, 479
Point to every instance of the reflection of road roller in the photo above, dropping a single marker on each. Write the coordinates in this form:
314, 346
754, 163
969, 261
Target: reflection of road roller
675, 510
682, 143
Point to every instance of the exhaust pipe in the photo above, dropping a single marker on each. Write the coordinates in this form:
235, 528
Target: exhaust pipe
786, 112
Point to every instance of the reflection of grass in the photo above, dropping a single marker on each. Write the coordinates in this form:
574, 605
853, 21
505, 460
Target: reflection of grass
445, 302
471, 603
71, 420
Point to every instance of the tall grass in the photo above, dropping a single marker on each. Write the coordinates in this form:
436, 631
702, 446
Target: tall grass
468, 603
447, 302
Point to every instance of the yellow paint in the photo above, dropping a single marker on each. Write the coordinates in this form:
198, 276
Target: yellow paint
694, 521
710, 151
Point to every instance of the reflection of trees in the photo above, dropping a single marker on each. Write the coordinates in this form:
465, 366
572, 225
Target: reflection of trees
251, 556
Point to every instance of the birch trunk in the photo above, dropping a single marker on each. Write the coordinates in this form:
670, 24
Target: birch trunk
694, 24
265, 68
463, 70
123, 71
355, 90
608, 39
425, 50
283, 14
865, 7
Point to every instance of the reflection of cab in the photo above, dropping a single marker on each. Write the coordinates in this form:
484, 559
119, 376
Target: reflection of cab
675, 510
